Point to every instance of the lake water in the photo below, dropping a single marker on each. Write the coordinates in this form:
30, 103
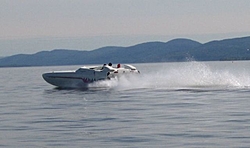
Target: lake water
192, 104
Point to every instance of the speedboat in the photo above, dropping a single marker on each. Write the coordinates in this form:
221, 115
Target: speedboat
85, 75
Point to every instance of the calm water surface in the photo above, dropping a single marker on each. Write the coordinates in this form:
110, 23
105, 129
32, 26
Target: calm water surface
189, 104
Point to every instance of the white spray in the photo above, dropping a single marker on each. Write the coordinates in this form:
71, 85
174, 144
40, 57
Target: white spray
181, 75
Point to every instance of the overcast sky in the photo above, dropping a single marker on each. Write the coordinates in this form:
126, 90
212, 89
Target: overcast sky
29, 26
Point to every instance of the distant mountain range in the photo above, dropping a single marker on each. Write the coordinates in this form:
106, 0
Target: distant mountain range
176, 50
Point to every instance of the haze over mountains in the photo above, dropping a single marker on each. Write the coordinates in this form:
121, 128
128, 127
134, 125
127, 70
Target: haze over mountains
176, 50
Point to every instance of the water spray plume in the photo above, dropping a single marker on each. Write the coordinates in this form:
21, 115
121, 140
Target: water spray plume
195, 75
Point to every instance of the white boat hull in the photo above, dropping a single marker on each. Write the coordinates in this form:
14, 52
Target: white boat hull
66, 80
85, 75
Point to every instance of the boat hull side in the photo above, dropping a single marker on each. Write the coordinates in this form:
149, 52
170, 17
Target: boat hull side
66, 80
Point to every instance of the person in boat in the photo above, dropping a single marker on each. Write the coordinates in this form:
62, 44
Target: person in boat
118, 65
103, 66
110, 64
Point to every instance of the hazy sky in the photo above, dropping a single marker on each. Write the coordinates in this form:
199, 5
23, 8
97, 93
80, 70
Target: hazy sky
29, 26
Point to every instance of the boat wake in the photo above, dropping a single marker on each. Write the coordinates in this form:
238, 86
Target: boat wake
189, 75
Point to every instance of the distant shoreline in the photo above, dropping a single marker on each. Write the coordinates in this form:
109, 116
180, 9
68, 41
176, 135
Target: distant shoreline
177, 50
129, 63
